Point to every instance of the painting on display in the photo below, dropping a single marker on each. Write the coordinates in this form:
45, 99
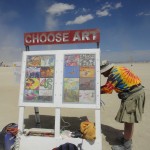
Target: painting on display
79, 79
39, 79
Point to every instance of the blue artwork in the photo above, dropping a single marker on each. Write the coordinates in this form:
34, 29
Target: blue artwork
71, 72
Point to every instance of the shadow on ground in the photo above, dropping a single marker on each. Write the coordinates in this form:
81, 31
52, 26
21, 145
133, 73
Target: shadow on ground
111, 134
48, 122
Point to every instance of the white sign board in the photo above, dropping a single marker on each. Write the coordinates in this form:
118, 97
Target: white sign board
60, 79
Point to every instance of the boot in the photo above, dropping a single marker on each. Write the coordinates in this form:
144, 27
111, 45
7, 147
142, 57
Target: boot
127, 145
120, 139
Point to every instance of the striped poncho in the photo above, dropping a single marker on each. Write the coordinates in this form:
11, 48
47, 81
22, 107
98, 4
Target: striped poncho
120, 79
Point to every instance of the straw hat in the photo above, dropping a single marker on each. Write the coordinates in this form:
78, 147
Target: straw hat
105, 66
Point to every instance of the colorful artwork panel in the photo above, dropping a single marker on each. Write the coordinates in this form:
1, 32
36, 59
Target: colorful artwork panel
45, 92
39, 78
87, 60
71, 83
32, 83
87, 84
71, 72
45, 95
71, 90
78, 80
87, 96
33, 61
33, 72
72, 60
46, 83
44, 99
82, 68
31, 95
71, 95
47, 72
47, 61
87, 72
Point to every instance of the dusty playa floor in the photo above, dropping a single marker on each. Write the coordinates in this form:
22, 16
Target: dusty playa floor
9, 94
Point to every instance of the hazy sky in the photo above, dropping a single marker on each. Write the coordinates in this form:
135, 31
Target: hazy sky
124, 25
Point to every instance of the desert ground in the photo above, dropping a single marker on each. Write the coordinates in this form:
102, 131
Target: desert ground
110, 129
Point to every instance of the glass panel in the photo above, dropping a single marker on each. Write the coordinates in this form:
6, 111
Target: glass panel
39, 79
79, 79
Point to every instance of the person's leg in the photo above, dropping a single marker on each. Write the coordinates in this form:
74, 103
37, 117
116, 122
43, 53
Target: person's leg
126, 141
128, 130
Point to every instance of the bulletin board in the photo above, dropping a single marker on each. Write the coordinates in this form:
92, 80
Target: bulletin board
61, 78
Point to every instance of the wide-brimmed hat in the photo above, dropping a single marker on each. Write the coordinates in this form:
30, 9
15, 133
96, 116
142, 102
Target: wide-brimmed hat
105, 66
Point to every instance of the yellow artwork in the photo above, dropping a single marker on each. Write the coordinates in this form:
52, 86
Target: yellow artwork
32, 83
87, 72
33, 61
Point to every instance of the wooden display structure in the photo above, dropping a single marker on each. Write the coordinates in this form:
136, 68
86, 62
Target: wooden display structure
66, 66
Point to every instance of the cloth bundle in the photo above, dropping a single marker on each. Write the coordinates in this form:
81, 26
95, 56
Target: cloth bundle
88, 130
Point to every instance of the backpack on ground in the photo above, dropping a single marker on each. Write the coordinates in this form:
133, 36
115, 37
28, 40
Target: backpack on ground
7, 136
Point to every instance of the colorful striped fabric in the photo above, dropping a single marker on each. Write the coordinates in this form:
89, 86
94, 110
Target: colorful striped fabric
120, 79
